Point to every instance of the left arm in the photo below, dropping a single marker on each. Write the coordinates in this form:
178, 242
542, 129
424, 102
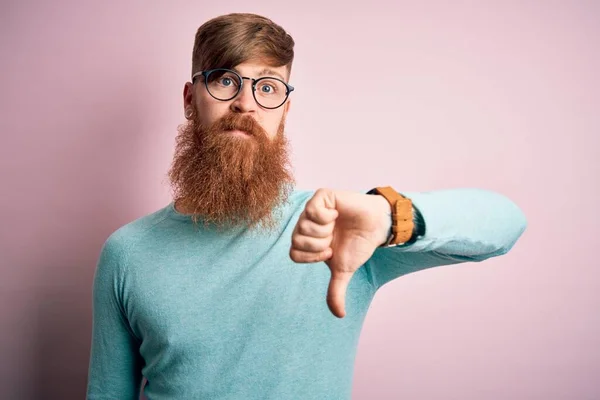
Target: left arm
346, 229
461, 225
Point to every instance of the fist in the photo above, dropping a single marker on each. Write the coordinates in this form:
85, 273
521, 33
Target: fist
343, 229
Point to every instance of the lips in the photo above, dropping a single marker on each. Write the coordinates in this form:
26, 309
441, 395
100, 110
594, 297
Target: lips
239, 132
240, 125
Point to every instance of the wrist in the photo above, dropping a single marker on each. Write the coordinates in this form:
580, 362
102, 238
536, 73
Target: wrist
406, 221
385, 219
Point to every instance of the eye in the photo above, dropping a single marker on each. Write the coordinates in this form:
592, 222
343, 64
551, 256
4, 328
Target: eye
268, 87
225, 80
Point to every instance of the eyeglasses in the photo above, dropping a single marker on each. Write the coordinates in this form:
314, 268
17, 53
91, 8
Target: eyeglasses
225, 84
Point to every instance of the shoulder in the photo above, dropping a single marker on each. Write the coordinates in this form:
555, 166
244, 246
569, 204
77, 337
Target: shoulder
116, 247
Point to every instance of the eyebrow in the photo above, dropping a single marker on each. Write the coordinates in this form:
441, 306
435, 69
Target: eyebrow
268, 71
265, 72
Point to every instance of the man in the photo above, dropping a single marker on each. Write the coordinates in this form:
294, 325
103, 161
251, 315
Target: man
206, 298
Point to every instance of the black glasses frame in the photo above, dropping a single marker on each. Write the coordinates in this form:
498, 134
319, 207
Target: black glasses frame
205, 74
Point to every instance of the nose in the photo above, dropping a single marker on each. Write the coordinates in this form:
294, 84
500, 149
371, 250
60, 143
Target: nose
244, 101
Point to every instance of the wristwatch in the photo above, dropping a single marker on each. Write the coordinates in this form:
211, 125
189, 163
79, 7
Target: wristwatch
406, 219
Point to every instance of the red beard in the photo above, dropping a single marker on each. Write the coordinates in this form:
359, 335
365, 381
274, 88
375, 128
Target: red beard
230, 181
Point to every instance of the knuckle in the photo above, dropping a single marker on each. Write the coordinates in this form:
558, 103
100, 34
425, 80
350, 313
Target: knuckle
311, 212
294, 256
296, 241
305, 227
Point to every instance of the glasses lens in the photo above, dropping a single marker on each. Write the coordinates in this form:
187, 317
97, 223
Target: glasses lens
270, 92
223, 84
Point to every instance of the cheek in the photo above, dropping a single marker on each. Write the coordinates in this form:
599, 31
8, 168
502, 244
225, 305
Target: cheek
209, 110
272, 124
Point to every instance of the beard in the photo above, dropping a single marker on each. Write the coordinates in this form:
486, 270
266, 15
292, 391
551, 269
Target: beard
226, 180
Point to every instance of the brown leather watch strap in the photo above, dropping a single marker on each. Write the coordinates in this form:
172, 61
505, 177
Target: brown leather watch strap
402, 215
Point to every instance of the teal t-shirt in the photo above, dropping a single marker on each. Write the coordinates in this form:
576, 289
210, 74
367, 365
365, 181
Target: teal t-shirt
203, 314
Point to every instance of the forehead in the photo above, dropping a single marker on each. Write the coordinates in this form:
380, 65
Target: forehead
257, 70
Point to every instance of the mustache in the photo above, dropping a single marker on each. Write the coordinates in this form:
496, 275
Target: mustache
246, 123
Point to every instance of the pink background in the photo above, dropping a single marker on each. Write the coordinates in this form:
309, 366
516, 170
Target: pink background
499, 95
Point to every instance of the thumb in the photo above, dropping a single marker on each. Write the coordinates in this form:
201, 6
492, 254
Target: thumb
336, 293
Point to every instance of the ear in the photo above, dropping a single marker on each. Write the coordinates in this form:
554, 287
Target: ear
286, 107
188, 95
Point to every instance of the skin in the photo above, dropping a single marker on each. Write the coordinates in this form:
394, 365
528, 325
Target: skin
210, 109
341, 228
231, 165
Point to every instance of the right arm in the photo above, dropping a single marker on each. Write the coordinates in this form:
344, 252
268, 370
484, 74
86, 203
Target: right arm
115, 363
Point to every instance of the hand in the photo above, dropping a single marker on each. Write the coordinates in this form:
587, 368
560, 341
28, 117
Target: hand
343, 229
